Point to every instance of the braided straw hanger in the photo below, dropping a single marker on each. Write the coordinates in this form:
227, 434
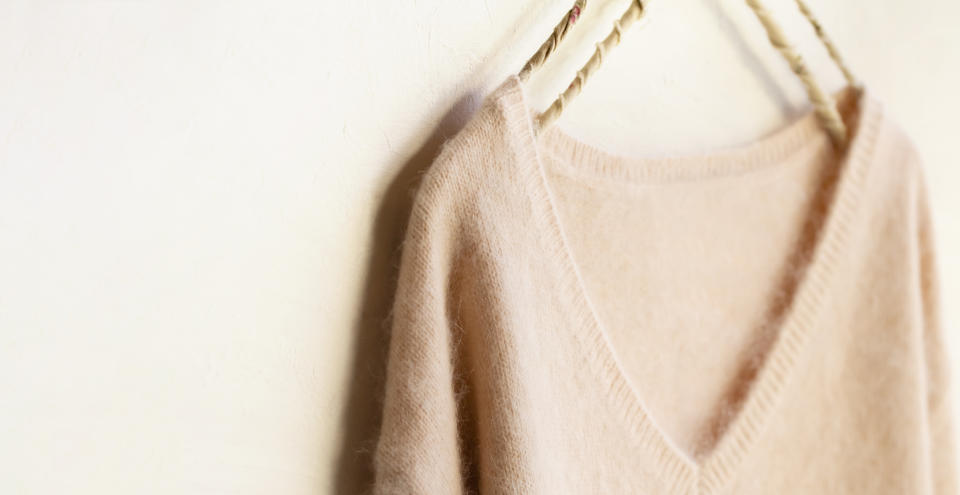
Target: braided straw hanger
831, 48
630, 16
824, 106
550, 45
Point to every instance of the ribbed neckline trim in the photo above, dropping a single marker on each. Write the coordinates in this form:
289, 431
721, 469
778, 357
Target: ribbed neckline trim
572, 155
679, 472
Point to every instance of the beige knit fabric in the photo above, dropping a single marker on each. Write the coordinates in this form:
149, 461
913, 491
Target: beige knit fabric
757, 320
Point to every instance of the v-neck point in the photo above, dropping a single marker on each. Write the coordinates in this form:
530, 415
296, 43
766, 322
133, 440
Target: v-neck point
714, 470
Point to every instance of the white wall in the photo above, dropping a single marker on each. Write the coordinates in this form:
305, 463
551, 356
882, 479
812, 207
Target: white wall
201, 202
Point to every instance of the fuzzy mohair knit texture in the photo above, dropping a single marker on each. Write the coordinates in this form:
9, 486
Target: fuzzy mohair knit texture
763, 319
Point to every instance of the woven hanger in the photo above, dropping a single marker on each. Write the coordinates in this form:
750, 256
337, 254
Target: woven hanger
550, 45
824, 106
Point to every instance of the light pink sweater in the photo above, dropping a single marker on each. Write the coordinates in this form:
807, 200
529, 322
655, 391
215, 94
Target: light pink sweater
758, 320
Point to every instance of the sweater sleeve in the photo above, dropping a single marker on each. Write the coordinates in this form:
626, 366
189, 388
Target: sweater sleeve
939, 380
417, 449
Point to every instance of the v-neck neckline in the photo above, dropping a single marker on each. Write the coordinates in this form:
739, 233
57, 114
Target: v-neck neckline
714, 470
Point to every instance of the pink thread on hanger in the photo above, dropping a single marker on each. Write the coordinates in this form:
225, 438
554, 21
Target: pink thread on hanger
574, 15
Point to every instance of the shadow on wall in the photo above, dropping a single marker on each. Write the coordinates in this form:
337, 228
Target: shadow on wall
360, 419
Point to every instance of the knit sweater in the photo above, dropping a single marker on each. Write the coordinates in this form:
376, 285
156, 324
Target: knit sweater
761, 319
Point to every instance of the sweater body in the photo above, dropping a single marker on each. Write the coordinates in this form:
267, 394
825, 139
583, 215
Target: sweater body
763, 319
